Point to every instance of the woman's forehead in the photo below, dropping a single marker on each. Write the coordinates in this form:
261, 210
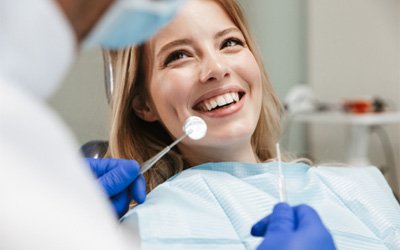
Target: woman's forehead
196, 18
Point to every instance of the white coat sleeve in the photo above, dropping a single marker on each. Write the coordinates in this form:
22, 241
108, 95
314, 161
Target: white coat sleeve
49, 198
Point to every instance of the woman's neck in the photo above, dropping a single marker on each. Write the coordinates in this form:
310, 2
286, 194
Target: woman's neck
231, 153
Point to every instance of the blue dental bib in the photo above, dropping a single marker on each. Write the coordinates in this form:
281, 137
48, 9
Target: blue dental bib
214, 205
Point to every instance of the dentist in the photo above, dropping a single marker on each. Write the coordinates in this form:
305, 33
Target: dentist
50, 199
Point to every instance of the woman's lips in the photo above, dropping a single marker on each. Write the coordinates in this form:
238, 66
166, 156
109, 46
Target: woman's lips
221, 105
218, 101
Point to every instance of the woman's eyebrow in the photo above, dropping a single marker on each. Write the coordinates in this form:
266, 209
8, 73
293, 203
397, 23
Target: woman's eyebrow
226, 31
173, 44
180, 42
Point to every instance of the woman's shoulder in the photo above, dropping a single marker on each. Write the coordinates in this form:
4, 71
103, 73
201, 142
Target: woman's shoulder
348, 171
360, 181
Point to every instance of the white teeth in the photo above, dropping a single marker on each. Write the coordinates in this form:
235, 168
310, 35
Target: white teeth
220, 100
228, 98
208, 105
213, 104
235, 96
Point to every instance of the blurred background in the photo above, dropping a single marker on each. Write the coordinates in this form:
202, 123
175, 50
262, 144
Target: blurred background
336, 51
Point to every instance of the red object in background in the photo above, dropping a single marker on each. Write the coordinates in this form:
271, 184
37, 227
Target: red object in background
359, 106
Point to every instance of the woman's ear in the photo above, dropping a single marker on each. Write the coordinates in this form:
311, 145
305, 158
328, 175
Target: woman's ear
144, 110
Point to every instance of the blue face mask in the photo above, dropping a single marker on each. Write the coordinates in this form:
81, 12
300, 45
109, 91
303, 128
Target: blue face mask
130, 22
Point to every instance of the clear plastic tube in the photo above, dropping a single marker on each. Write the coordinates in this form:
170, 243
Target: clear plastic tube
281, 177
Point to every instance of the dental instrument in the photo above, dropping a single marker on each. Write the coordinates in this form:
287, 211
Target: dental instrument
194, 127
281, 177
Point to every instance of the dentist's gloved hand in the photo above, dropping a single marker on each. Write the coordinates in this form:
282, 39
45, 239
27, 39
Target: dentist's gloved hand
121, 180
293, 228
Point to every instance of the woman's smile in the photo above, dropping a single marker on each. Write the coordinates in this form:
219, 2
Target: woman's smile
220, 102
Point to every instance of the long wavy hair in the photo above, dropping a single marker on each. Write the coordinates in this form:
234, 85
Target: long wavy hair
133, 138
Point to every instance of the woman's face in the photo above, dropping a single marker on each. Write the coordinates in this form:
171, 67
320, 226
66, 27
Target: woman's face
202, 66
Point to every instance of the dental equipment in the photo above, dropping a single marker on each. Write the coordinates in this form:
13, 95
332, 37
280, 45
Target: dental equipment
281, 177
194, 127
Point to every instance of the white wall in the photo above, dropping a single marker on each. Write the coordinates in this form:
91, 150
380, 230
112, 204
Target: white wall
81, 100
278, 26
279, 29
354, 50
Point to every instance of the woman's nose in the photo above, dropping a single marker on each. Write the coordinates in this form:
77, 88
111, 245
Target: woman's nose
213, 69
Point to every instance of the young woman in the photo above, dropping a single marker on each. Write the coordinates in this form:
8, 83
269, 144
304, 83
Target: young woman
205, 63
179, 75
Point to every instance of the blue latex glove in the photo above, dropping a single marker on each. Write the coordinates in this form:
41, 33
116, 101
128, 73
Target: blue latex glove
121, 181
293, 228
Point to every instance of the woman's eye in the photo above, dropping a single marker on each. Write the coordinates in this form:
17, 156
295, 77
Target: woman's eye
230, 42
174, 56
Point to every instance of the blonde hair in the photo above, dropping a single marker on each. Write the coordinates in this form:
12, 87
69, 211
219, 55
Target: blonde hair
133, 138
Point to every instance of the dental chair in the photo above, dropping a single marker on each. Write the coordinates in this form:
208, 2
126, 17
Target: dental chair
94, 149
98, 148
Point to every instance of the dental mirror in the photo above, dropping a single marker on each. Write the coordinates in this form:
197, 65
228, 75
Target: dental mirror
195, 128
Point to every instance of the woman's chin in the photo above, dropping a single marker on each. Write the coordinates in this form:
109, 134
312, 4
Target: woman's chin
225, 142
